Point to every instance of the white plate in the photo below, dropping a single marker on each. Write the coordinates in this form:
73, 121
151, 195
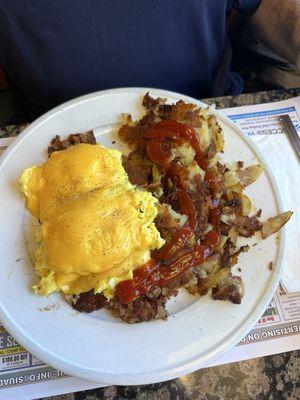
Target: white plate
98, 347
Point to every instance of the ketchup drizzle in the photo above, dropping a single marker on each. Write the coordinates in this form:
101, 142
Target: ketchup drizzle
168, 262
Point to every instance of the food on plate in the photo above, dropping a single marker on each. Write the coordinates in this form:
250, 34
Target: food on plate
96, 227
273, 225
127, 232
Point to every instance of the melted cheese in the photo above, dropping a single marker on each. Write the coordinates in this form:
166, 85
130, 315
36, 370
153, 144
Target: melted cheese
96, 228
68, 174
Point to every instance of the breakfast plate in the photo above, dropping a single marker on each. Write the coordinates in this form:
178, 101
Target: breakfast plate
96, 346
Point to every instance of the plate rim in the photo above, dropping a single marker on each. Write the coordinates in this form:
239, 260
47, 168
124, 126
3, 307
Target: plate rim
196, 363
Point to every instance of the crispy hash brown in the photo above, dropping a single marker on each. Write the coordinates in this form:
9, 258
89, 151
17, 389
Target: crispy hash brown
202, 210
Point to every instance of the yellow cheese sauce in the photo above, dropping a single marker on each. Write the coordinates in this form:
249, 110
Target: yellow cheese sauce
96, 227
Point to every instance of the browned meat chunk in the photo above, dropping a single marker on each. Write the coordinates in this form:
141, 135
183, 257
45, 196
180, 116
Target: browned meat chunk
57, 144
139, 170
203, 286
88, 302
185, 279
202, 209
229, 256
133, 135
150, 103
233, 205
202, 202
140, 310
228, 250
224, 228
232, 289
170, 194
247, 226
147, 307
152, 305
181, 111
165, 223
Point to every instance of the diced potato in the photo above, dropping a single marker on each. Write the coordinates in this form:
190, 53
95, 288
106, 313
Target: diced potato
210, 131
219, 276
193, 171
230, 178
226, 218
238, 188
220, 141
222, 242
233, 235
192, 289
185, 153
217, 133
273, 225
249, 174
212, 162
126, 119
204, 135
157, 191
242, 177
179, 218
246, 205
210, 265
156, 175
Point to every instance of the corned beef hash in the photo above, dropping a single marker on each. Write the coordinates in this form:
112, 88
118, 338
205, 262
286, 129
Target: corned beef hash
126, 232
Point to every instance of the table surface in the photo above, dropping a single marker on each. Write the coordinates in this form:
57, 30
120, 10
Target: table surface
275, 377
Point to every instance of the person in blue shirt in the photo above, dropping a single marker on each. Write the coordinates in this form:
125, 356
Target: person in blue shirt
54, 50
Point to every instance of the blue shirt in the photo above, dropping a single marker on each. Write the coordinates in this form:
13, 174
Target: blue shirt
54, 50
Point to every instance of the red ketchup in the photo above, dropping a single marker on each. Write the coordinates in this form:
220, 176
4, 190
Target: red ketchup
182, 235
154, 273
167, 263
176, 131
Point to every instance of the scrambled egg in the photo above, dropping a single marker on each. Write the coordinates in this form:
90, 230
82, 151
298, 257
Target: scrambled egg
96, 227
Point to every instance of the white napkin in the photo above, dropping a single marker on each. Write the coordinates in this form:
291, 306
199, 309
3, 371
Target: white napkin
284, 162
